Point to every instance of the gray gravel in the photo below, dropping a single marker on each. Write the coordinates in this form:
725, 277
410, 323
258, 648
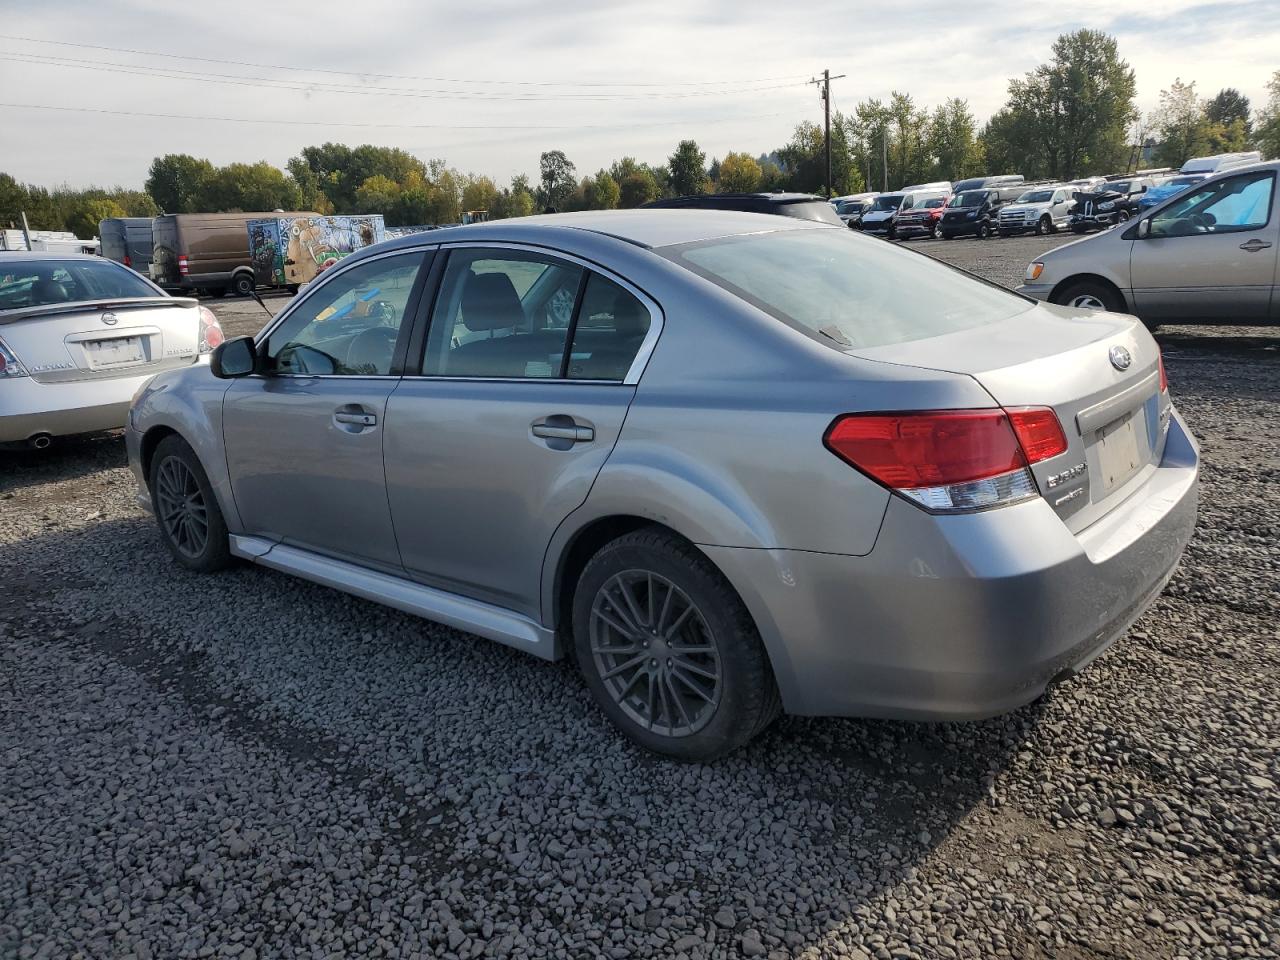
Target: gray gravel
250, 766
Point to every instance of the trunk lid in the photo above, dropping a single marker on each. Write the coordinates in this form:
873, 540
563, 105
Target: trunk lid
102, 339
1114, 419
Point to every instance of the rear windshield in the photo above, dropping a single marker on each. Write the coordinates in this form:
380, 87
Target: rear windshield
849, 290
39, 283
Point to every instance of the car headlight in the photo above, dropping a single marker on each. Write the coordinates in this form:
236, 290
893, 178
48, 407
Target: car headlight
1034, 270
972, 214
1107, 205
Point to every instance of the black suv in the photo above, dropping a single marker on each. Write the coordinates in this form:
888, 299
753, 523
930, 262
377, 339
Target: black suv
976, 212
804, 206
1112, 202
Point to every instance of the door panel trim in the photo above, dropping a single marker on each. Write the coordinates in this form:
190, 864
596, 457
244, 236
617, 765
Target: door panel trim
473, 616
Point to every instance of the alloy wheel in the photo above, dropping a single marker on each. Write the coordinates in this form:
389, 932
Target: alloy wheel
1087, 301
655, 654
184, 514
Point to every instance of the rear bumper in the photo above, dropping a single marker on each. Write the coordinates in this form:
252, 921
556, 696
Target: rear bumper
28, 408
966, 616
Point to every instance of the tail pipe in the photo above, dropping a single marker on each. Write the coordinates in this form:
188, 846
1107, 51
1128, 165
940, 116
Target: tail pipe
39, 441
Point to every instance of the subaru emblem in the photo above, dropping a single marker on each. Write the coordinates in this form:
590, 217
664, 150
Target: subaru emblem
110, 319
1120, 358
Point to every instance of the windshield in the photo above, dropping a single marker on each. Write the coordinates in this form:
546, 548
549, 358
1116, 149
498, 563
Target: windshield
932, 203
845, 288
851, 206
973, 198
888, 202
1036, 196
39, 282
1121, 187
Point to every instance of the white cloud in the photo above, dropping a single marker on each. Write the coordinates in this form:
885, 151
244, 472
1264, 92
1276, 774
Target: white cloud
935, 52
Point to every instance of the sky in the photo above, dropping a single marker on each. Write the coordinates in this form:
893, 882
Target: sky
489, 84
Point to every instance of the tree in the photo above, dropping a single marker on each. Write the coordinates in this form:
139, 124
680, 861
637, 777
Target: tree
1226, 107
176, 181
1069, 116
479, 194
638, 187
739, 173
1267, 127
953, 142
688, 166
601, 192
557, 179
84, 220
378, 194
310, 187
1181, 124
249, 187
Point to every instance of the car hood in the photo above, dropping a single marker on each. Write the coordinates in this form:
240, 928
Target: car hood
1025, 207
878, 214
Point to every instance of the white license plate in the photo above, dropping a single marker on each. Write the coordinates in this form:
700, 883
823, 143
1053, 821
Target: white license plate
1117, 448
113, 352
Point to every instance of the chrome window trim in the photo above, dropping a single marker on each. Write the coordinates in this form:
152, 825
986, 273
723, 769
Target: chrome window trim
657, 319
265, 333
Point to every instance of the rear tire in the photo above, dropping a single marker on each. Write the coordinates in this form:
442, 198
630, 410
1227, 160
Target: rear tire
187, 513
668, 650
242, 284
1090, 295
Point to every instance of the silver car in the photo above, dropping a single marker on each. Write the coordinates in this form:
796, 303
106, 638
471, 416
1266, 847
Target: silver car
717, 458
1206, 255
79, 335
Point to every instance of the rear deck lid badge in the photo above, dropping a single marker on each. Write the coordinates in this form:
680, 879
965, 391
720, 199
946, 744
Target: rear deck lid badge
1120, 358
110, 319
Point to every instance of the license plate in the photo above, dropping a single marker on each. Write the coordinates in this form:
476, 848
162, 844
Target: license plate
1117, 452
113, 352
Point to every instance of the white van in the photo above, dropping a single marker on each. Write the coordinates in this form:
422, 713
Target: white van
943, 186
1220, 162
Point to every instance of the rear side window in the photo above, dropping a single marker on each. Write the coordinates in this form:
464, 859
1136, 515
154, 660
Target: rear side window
849, 291
40, 283
610, 328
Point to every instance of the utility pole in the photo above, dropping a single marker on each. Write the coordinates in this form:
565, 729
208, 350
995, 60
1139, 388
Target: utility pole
824, 93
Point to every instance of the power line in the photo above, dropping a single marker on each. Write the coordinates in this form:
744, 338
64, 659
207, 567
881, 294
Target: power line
397, 76
174, 73
399, 126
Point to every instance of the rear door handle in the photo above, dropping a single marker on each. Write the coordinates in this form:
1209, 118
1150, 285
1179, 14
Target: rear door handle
359, 419
1254, 245
561, 430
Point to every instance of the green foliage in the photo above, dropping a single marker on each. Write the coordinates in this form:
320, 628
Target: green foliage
557, 179
637, 187
739, 173
84, 218
1267, 126
1226, 107
479, 194
176, 182
1181, 124
249, 187
377, 194
601, 192
688, 166
1069, 116
953, 142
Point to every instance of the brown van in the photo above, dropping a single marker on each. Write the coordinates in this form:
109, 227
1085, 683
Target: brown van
207, 252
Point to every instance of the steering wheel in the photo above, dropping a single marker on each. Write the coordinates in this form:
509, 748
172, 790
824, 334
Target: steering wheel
370, 352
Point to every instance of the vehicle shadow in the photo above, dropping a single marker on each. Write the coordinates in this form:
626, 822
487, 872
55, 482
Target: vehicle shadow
450, 738
67, 458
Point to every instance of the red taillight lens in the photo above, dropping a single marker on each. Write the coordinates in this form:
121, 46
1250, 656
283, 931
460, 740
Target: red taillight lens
1164, 380
210, 330
128, 261
1038, 432
182, 265
951, 460
906, 450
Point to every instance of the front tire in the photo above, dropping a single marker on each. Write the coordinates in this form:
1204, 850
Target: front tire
668, 650
1044, 226
191, 524
1090, 295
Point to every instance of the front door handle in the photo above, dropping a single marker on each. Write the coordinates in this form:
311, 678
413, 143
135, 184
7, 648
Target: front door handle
560, 427
1254, 245
357, 419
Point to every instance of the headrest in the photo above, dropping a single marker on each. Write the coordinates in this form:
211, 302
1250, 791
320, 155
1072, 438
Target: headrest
630, 318
45, 290
489, 302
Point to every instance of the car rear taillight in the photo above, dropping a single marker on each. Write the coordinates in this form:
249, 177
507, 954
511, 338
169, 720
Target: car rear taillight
128, 261
210, 331
10, 365
183, 267
951, 460
1164, 379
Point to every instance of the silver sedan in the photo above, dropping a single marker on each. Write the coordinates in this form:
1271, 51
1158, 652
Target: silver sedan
79, 335
722, 460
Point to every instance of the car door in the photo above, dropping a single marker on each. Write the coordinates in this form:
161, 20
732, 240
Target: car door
1210, 254
1061, 203
304, 438
529, 366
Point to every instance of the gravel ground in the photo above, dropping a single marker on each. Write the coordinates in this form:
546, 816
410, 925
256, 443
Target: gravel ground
247, 765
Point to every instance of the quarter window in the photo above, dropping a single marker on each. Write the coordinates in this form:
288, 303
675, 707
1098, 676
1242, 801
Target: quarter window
611, 326
1222, 206
349, 325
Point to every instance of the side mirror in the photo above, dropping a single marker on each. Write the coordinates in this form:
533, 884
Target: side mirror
1144, 228
234, 358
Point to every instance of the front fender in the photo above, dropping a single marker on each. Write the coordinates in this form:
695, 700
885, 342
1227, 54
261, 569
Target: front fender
187, 402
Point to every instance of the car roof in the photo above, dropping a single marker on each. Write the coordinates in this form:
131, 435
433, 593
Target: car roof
642, 227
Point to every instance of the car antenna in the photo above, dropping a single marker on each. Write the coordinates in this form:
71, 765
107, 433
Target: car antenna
254, 294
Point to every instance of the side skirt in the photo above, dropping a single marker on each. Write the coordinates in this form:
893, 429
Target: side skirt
486, 620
